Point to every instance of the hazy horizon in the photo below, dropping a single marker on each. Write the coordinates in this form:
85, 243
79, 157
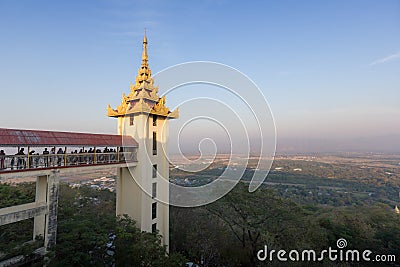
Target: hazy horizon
389, 144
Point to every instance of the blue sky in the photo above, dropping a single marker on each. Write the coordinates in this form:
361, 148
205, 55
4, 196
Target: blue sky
329, 69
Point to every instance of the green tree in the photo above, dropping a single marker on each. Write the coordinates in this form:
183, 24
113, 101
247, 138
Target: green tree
142, 249
89, 234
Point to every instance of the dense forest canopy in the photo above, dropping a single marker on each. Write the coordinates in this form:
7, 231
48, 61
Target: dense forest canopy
228, 232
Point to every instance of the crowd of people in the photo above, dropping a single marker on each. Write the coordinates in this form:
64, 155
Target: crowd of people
50, 158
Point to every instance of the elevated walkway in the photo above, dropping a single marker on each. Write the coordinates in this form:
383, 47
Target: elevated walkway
65, 151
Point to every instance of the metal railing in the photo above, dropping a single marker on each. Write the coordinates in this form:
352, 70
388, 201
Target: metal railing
20, 162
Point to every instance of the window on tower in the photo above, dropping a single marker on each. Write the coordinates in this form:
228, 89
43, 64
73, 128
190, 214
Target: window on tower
131, 120
154, 210
154, 143
153, 227
154, 174
154, 190
154, 120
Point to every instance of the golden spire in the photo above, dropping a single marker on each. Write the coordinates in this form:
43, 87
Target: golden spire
145, 57
144, 72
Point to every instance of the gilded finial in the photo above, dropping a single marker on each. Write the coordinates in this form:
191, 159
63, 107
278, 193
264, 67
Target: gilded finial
144, 72
144, 53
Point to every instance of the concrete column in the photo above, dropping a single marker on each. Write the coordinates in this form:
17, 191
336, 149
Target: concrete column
118, 192
52, 205
41, 197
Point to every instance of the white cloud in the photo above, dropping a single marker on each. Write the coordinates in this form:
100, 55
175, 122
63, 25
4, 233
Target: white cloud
386, 59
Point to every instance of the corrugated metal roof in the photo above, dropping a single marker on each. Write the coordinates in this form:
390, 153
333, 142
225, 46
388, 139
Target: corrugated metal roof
15, 137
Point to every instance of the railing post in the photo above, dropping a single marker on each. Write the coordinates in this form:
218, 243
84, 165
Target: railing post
54, 157
65, 156
52, 206
27, 160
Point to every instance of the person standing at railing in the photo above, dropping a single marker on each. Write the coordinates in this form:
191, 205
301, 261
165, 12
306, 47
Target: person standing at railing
36, 160
52, 157
59, 158
46, 157
21, 160
90, 156
121, 154
106, 157
12, 162
30, 161
75, 158
86, 157
112, 156
2, 157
